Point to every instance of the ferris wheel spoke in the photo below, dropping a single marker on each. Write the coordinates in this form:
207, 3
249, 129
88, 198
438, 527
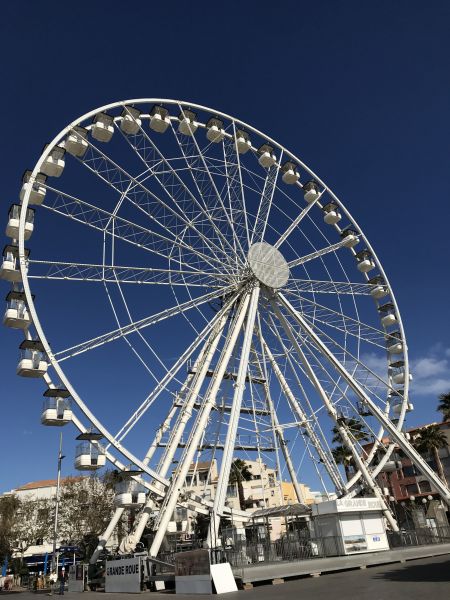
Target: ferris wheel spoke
180, 195
123, 274
265, 203
172, 372
304, 422
367, 378
313, 311
205, 185
295, 367
277, 429
347, 440
301, 286
296, 222
133, 188
317, 254
102, 220
370, 380
138, 325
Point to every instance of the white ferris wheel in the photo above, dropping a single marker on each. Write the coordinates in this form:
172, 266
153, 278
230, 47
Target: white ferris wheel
243, 288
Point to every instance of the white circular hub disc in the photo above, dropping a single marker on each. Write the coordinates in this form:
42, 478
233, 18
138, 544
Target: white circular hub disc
268, 265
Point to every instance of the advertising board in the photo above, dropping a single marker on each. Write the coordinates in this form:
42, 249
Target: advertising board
123, 575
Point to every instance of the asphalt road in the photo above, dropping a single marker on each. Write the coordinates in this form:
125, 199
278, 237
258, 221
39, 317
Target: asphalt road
424, 579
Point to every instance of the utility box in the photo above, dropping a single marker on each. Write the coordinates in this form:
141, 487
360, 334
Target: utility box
349, 526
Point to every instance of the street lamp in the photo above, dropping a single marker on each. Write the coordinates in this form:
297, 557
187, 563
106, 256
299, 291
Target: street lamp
54, 564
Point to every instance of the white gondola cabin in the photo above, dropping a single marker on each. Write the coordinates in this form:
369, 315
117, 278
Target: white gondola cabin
76, 142
102, 127
89, 457
57, 409
397, 372
379, 289
10, 270
16, 314
159, 119
188, 124
267, 156
396, 402
311, 191
38, 190
331, 214
242, 143
365, 261
214, 130
12, 227
33, 361
394, 342
129, 493
131, 121
54, 164
349, 238
290, 173
388, 316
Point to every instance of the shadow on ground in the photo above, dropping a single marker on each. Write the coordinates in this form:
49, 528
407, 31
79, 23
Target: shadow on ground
436, 571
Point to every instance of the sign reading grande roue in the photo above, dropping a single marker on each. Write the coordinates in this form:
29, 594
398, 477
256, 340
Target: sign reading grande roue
123, 575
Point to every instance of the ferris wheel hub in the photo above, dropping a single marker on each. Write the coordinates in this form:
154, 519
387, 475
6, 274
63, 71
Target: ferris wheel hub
268, 265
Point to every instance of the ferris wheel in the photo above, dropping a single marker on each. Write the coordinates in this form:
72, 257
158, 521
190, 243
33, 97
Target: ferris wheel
256, 312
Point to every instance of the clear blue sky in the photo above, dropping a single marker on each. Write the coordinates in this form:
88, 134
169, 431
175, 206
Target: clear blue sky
360, 91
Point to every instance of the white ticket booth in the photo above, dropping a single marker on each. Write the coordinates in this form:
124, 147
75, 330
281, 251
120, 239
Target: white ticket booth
349, 526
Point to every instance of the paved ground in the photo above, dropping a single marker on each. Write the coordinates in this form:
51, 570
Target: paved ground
425, 579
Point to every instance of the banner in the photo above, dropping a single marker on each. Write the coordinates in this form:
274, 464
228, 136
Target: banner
123, 575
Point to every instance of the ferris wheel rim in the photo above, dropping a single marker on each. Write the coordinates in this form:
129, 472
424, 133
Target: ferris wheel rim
62, 133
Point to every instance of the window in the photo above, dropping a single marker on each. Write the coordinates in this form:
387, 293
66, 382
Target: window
424, 487
412, 489
271, 480
409, 471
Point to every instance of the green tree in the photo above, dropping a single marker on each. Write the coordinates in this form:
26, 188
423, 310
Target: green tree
355, 429
428, 441
357, 433
8, 509
444, 406
240, 472
343, 456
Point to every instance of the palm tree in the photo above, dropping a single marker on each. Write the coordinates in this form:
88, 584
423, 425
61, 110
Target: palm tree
357, 433
444, 406
428, 441
240, 472
342, 456
355, 429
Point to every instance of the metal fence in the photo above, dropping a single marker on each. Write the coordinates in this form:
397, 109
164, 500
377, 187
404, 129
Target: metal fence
422, 536
299, 546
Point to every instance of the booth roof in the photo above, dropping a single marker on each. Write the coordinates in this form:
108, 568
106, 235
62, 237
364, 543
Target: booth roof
289, 510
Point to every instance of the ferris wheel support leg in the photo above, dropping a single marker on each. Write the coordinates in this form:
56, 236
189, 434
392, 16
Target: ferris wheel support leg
182, 393
333, 413
334, 475
178, 480
186, 412
395, 434
239, 387
103, 540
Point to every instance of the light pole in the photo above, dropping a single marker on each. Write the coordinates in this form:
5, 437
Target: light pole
55, 557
